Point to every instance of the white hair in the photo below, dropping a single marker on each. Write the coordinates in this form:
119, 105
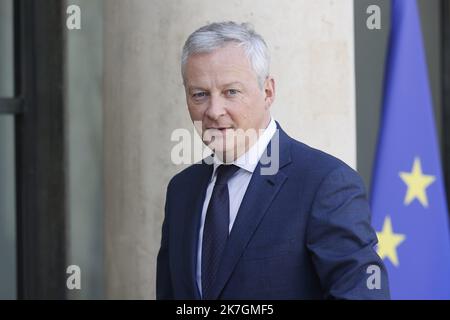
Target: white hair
216, 35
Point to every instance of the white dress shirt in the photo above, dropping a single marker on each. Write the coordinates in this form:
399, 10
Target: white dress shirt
237, 186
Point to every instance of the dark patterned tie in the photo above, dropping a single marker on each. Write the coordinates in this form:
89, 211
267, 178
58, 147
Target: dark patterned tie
215, 231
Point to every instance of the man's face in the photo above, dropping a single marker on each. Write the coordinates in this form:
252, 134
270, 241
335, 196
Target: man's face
222, 93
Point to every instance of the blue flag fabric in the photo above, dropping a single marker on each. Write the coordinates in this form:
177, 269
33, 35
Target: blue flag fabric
408, 199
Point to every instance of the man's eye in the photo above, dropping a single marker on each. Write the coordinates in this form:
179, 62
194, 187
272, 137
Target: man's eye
232, 92
199, 95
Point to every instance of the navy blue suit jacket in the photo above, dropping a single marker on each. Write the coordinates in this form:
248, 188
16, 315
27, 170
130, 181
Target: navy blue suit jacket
302, 233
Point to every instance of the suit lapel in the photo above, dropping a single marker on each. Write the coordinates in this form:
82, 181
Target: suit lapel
260, 193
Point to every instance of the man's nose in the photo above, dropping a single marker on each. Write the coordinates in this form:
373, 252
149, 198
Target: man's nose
216, 108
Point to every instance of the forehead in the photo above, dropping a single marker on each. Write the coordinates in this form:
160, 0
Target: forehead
228, 63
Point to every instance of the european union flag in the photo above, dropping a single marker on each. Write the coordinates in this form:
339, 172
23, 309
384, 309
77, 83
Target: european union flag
408, 199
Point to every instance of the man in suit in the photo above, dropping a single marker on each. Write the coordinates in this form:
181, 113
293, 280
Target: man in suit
266, 216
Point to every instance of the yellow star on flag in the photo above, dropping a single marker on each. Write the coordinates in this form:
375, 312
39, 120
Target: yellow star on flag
417, 182
388, 241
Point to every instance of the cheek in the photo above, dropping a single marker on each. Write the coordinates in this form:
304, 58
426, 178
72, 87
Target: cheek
237, 114
243, 112
196, 112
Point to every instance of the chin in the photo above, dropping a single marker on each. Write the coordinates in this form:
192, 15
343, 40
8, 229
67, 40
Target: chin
219, 148
221, 151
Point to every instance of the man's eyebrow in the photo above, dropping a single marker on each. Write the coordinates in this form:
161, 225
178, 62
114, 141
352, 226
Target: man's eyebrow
195, 87
233, 83
191, 88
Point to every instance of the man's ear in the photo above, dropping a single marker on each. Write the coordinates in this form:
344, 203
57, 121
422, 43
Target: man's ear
269, 91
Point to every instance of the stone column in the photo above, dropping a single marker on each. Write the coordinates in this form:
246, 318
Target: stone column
312, 61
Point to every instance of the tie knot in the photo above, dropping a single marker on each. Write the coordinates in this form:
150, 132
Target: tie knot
225, 172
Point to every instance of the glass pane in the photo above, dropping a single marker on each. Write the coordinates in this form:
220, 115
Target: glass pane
84, 149
6, 49
7, 209
7, 160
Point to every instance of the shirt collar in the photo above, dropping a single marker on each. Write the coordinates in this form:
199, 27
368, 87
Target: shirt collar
249, 160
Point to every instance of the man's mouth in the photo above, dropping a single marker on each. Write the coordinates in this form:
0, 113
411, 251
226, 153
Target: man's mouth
222, 129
